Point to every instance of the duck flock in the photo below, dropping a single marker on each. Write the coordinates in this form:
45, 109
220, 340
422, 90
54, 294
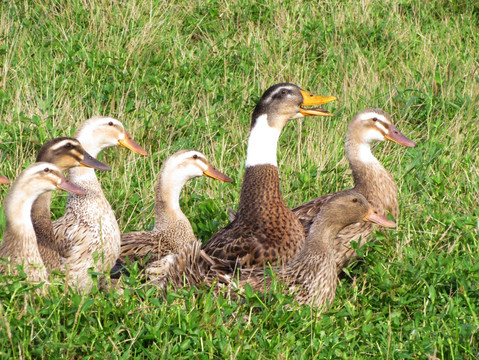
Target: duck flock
305, 248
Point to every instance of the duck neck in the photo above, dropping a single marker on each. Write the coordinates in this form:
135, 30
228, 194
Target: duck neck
260, 189
40, 215
262, 143
370, 178
167, 202
320, 239
18, 207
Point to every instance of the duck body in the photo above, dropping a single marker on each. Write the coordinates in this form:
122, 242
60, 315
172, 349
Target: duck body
65, 153
19, 240
265, 230
88, 233
172, 230
371, 180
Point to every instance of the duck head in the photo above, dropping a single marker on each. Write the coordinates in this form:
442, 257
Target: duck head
283, 102
45, 176
101, 132
377, 125
188, 164
66, 152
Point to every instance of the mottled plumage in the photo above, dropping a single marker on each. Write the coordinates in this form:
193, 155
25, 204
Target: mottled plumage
311, 276
371, 180
265, 230
88, 233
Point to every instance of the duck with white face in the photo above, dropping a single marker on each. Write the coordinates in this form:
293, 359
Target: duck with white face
88, 232
19, 241
172, 230
371, 179
265, 230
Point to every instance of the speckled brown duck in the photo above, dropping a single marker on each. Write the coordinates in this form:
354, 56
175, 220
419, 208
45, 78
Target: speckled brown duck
89, 226
264, 229
172, 230
371, 179
65, 153
312, 276
19, 243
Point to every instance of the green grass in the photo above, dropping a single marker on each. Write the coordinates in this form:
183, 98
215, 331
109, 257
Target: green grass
187, 74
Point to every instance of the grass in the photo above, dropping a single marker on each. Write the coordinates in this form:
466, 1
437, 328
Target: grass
187, 75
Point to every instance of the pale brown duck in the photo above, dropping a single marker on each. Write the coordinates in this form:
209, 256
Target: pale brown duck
312, 275
172, 230
65, 153
89, 226
264, 229
371, 179
19, 243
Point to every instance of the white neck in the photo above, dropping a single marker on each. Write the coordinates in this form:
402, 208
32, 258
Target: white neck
262, 143
365, 155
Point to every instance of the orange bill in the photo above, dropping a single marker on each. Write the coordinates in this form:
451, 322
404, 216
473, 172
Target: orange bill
90, 161
128, 143
375, 217
4, 180
314, 100
395, 135
66, 185
215, 174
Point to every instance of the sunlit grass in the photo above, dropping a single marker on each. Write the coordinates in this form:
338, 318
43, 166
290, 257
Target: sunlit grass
187, 75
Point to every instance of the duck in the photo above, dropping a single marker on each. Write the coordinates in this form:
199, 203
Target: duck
312, 276
88, 233
172, 230
371, 180
19, 243
65, 153
4, 180
265, 229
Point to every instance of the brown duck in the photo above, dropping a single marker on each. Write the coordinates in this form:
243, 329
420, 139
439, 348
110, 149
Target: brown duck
312, 275
172, 230
264, 229
371, 179
65, 153
19, 241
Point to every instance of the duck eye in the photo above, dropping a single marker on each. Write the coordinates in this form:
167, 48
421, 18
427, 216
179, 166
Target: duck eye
355, 200
46, 170
283, 92
375, 119
68, 145
195, 156
110, 123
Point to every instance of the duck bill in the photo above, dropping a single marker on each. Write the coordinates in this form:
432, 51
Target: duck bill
4, 180
90, 161
396, 136
315, 100
127, 142
71, 188
215, 174
374, 217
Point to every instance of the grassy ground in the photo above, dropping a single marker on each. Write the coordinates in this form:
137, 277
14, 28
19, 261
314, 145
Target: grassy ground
187, 74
